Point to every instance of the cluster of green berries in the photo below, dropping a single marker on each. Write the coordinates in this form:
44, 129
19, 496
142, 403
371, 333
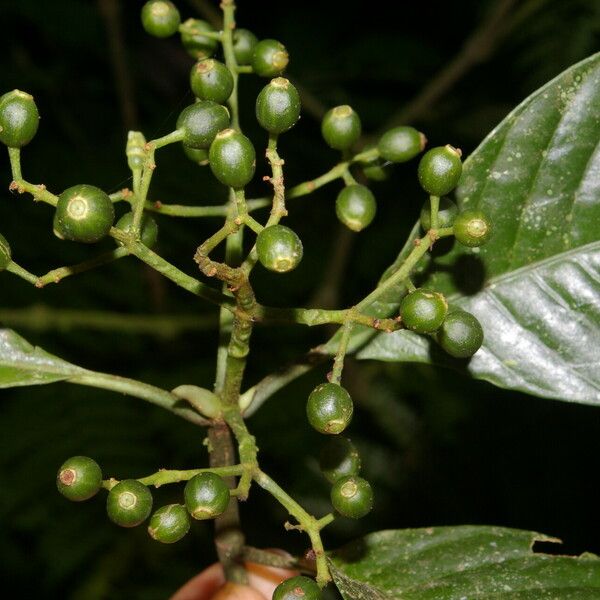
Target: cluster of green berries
129, 502
341, 128
457, 331
329, 410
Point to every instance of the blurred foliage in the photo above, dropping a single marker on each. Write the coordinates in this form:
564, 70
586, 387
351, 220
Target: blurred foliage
439, 449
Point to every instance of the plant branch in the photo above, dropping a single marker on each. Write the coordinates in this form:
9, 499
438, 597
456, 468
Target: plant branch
145, 391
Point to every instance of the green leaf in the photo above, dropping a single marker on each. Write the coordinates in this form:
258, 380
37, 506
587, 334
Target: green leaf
461, 563
535, 286
24, 364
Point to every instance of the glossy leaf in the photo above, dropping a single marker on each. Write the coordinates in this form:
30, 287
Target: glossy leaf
460, 563
24, 364
535, 286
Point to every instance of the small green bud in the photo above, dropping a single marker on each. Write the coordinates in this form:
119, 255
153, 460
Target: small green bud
352, 497
160, 18
211, 80
401, 144
423, 310
279, 249
19, 119
269, 58
341, 127
169, 524
278, 106
329, 408
129, 503
135, 150
355, 207
339, 458
79, 478
440, 169
206, 496
84, 213
201, 122
232, 158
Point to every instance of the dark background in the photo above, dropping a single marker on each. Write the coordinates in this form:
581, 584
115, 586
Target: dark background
438, 448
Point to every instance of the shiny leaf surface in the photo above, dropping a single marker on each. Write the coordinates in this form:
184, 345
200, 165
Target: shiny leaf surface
460, 563
535, 286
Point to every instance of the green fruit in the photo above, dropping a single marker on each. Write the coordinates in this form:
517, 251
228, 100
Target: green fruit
375, 171
201, 122
206, 496
401, 144
279, 249
129, 503
278, 106
19, 119
439, 170
269, 58
461, 334
352, 497
341, 127
79, 478
355, 207
472, 228
84, 213
446, 214
169, 523
339, 458
244, 42
135, 150
5, 253
198, 45
232, 158
149, 232
197, 155
211, 80
423, 310
160, 18
297, 588
329, 408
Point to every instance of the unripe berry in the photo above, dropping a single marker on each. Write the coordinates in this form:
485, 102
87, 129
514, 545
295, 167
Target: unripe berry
329, 408
149, 228
423, 310
206, 496
197, 155
278, 106
211, 80
472, 228
401, 144
439, 170
160, 18
355, 207
84, 213
232, 158
19, 119
339, 458
297, 588
5, 253
198, 45
244, 42
129, 503
201, 122
461, 334
352, 497
269, 58
79, 478
169, 524
446, 214
341, 127
279, 249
